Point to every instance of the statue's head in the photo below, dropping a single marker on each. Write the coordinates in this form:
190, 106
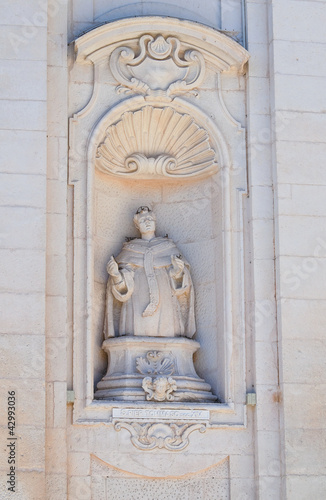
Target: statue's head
144, 220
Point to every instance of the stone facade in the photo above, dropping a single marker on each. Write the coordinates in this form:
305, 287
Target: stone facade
252, 226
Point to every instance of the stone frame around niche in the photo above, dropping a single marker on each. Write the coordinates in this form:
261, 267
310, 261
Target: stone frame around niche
87, 129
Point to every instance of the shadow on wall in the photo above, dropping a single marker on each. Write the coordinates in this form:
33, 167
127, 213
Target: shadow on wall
205, 12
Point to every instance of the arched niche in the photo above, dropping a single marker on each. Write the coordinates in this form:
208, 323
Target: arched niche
202, 213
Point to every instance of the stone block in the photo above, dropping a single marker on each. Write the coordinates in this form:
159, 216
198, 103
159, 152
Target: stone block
56, 197
260, 173
242, 466
263, 239
297, 58
32, 73
33, 314
308, 21
262, 206
266, 363
57, 17
57, 108
200, 189
304, 406
57, 159
79, 488
303, 361
258, 93
302, 161
269, 463
16, 45
267, 408
83, 10
22, 227
23, 115
79, 96
30, 486
28, 361
298, 277
23, 190
30, 443
296, 126
23, 272
263, 275
23, 151
56, 234
262, 319
60, 405
21, 13
303, 487
56, 359
242, 488
78, 439
299, 92
57, 50
303, 319
56, 316
269, 487
57, 275
258, 63
302, 236
257, 22
30, 407
303, 201
56, 486
56, 460
49, 404
79, 464
305, 451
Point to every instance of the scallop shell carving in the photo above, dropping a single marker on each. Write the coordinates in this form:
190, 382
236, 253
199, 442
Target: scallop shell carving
156, 143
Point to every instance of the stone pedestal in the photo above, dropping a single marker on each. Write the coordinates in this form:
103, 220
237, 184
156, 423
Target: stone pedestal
152, 369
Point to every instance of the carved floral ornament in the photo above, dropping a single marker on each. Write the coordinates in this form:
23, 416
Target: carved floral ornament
158, 68
162, 386
156, 142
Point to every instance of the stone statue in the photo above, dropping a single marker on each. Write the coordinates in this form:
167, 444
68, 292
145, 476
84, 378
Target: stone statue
152, 282
149, 315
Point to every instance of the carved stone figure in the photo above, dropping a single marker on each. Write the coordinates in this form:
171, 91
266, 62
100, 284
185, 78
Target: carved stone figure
152, 282
150, 287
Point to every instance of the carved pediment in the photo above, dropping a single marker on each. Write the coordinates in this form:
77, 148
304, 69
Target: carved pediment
156, 143
158, 67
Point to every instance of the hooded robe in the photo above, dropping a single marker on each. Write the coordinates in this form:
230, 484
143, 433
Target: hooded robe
154, 302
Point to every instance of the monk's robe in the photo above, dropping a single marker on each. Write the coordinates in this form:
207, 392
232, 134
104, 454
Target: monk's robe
154, 302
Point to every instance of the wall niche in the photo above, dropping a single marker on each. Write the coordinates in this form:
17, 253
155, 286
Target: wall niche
156, 132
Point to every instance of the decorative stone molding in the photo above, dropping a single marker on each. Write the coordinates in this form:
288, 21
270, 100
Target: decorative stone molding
156, 143
217, 48
157, 68
150, 435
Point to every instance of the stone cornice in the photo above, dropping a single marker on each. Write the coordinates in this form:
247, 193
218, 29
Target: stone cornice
218, 49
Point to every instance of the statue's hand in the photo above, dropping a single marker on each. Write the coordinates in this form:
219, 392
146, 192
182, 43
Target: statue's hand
177, 267
113, 269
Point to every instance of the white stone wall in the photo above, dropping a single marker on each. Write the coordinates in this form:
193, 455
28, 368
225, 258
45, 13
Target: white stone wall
281, 452
299, 126
23, 143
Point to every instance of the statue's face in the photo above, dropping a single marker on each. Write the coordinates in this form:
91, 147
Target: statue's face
146, 224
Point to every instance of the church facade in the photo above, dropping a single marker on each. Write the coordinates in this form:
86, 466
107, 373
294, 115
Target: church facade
184, 360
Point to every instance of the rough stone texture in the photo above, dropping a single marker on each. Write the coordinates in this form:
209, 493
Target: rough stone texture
212, 483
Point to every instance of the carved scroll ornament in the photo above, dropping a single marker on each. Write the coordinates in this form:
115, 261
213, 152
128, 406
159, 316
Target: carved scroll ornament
155, 143
149, 435
159, 68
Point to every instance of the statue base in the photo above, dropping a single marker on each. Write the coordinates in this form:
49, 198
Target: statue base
152, 369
